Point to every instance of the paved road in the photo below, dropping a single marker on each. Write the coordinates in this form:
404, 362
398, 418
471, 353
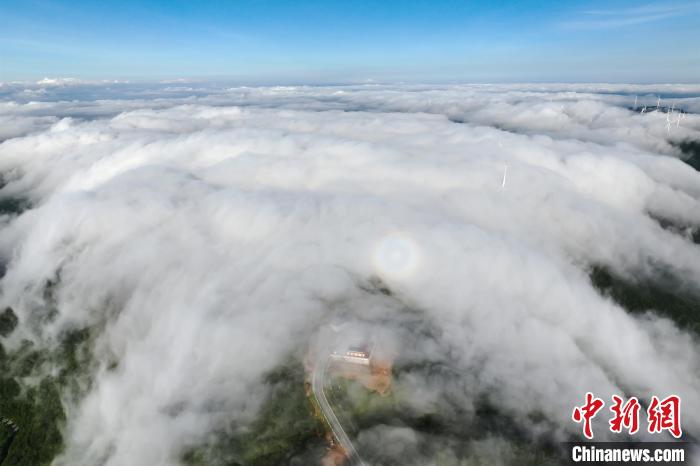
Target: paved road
13, 429
317, 382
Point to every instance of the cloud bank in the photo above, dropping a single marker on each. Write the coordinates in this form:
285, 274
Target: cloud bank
206, 232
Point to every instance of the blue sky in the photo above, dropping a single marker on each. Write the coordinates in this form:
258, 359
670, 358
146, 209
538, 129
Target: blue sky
328, 41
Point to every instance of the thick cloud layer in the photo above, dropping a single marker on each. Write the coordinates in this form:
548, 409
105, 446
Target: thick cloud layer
207, 232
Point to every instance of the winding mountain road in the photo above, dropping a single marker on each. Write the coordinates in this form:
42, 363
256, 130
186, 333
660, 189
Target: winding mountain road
317, 383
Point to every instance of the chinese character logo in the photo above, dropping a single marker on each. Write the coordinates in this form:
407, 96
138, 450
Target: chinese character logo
587, 412
626, 416
662, 415
665, 415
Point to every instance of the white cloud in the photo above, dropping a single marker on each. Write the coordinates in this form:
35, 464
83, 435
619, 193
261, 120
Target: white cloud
632, 16
216, 228
57, 81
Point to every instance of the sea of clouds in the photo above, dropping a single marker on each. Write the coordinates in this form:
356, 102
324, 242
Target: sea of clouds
209, 230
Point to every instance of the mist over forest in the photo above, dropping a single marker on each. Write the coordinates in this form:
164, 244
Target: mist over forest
169, 252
